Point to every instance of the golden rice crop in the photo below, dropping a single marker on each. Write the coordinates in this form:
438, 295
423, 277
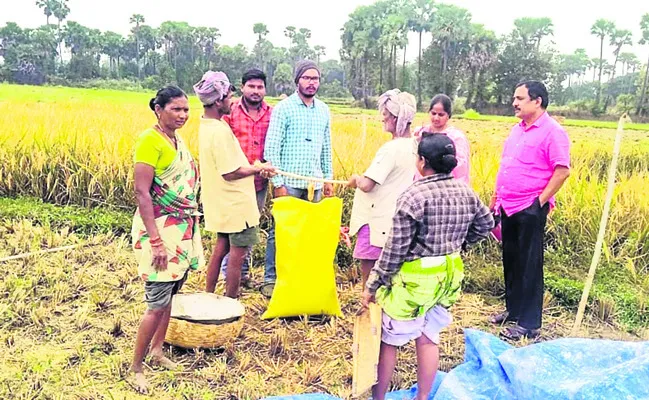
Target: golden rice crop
78, 150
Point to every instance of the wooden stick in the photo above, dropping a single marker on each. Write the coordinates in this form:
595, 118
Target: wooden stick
36, 253
366, 348
602, 226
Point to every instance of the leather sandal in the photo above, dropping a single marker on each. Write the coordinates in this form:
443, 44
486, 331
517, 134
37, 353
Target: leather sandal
517, 332
503, 317
246, 282
267, 289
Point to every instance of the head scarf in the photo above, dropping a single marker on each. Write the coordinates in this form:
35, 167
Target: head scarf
304, 66
214, 86
402, 105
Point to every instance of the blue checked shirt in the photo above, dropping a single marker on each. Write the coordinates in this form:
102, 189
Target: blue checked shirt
299, 141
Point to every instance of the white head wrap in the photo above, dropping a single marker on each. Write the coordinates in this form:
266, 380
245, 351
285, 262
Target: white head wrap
402, 105
214, 86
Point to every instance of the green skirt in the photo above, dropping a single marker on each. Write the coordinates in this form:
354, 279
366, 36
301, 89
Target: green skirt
421, 285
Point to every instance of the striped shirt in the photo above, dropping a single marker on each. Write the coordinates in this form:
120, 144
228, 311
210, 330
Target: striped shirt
436, 216
299, 141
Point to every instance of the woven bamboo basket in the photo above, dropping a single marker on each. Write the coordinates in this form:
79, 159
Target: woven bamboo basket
204, 320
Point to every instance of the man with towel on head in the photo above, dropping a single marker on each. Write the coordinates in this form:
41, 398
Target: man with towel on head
389, 174
299, 142
228, 196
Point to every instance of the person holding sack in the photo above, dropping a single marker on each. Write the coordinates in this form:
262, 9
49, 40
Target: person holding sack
389, 174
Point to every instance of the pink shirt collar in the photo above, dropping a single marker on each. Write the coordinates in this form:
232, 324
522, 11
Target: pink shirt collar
540, 121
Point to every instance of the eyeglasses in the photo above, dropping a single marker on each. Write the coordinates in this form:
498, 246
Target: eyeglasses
310, 78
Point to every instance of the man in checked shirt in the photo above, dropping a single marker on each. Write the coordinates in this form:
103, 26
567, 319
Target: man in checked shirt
249, 121
298, 141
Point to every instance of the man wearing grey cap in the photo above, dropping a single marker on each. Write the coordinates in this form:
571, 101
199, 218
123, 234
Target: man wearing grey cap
299, 142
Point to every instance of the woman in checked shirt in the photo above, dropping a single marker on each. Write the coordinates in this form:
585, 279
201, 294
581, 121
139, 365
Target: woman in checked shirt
419, 273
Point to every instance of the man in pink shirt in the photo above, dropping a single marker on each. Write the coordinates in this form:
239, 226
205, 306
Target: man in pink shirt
535, 164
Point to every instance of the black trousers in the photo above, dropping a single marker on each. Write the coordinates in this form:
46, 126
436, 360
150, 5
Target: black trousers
523, 241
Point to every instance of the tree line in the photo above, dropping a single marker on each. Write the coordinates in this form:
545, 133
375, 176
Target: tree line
459, 57
174, 52
467, 59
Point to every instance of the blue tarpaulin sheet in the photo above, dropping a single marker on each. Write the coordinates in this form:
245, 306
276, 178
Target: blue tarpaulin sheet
570, 368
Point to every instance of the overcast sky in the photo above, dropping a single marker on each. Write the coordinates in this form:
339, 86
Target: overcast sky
234, 18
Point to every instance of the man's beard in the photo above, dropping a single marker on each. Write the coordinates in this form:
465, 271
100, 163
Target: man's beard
307, 95
254, 103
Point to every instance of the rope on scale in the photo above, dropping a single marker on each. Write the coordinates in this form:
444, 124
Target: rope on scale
310, 179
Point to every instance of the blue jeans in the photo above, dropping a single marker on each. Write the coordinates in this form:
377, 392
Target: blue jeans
245, 268
270, 274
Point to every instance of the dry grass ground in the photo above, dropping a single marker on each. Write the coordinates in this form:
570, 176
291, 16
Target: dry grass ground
68, 322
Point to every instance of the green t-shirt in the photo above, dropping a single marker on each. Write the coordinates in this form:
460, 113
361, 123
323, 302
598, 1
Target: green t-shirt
154, 150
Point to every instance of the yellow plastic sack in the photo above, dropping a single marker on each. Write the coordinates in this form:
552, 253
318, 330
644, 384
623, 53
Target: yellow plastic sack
306, 238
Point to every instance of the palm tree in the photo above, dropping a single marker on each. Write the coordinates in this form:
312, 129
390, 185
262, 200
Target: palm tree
207, 41
111, 45
619, 38
423, 15
319, 51
483, 46
593, 64
608, 71
289, 32
263, 48
261, 30
137, 19
544, 28
60, 12
626, 59
452, 24
601, 28
633, 65
48, 7
533, 30
393, 35
644, 25
407, 12
582, 63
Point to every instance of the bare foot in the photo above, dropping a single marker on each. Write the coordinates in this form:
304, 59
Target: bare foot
164, 362
140, 384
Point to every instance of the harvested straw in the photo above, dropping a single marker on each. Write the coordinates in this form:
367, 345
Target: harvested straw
88, 348
40, 252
